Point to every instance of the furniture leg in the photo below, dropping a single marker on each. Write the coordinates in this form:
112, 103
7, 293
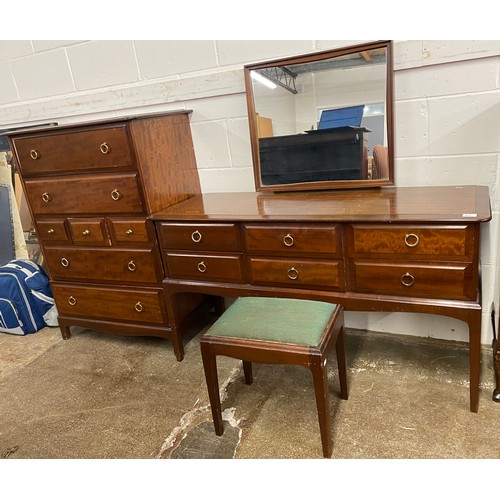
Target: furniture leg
341, 362
474, 322
247, 370
65, 331
319, 373
210, 368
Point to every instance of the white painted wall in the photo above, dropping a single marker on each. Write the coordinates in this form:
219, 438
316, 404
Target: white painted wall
447, 103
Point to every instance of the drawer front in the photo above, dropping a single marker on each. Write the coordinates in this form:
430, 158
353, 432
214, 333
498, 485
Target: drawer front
202, 267
289, 239
103, 264
443, 241
52, 230
92, 194
89, 231
438, 280
199, 237
74, 151
297, 273
130, 230
135, 305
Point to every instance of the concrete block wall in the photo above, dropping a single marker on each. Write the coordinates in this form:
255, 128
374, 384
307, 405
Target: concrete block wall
447, 99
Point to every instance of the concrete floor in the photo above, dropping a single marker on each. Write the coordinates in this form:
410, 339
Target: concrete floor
103, 396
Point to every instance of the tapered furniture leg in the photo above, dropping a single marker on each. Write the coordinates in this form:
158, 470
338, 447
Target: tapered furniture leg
278, 331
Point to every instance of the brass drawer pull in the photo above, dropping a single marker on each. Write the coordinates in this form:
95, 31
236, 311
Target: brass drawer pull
35, 154
105, 149
86, 232
288, 240
46, 197
139, 307
411, 240
196, 236
407, 279
202, 267
51, 231
292, 273
129, 232
64, 262
115, 194
72, 301
131, 266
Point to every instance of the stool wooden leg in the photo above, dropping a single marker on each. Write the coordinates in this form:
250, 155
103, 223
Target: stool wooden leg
319, 373
210, 367
340, 350
247, 370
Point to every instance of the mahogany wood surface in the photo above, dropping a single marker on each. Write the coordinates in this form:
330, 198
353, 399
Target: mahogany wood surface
412, 249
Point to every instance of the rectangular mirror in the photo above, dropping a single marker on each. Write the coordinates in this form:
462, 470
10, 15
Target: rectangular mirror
323, 120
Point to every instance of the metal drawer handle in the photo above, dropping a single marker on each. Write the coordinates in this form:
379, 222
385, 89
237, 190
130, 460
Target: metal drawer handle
411, 240
105, 149
288, 240
129, 232
115, 194
46, 197
407, 279
131, 266
72, 301
35, 154
292, 273
139, 307
64, 262
86, 232
202, 267
196, 236
51, 231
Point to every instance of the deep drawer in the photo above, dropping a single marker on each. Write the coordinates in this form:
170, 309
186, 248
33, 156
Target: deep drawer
438, 280
89, 231
199, 237
72, 151
131, 304
53, 230
443, 241
309, 273
103, 264
289, 239
130, 230
92, 194
201, 267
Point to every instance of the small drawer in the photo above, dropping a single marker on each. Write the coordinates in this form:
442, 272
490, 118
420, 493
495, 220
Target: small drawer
130, 230
130, 304
103, 264
74, 150
202, 237
89, 231
444, 241
79, 194
202, 267
288, 239
437, 280
308, 273
53, 230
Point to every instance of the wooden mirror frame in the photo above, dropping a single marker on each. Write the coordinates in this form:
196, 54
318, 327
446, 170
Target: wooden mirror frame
315, 57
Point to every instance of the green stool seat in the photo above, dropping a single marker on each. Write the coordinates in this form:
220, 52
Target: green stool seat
278, 331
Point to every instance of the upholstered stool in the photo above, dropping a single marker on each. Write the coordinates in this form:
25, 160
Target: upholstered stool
278, 331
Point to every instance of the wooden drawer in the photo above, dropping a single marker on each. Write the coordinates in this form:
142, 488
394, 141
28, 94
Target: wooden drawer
438, 280
308, 273
293, 239
89, 231
130, 304
53, 230
103, 264
200, 237
92, 194
202, 267
455, 242
72, 151
130, 230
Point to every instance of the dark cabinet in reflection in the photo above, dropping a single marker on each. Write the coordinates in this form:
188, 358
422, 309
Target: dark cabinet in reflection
316, 156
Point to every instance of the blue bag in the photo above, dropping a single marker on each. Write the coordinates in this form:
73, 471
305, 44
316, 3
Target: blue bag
26, 301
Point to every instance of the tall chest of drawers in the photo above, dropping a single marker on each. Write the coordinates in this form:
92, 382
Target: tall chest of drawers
90, 189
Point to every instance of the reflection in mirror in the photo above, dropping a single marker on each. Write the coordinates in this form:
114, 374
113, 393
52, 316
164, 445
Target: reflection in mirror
323, 120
